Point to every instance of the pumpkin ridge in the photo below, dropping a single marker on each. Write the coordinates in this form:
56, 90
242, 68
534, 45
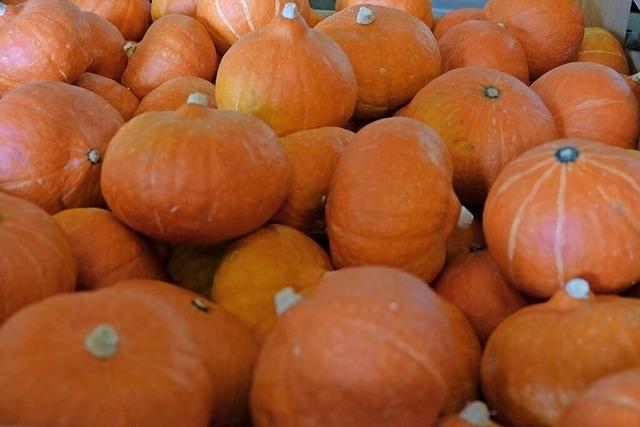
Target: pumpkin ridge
512, 180
225, 20
617, 173
559, 234
247, 15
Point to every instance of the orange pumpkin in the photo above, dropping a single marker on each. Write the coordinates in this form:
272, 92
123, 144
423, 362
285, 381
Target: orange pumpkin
550, 31
455, 17
483, 44
170, 95
539, 232
42, 40
475, 414
192, 267
174, 46
37, 260
109, 57
131, 17
288, 88
159, 8
313, 157
599, 45
487, 118
53, 138
543, 357
382, 63
360, 328
421, 9
466, 237
202, 176
591, 101
255, 268
117, 95
390, 160
315, 17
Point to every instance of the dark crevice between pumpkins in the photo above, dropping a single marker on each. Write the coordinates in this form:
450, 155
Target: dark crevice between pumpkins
567, 154
476, 248
197, 303
491, 92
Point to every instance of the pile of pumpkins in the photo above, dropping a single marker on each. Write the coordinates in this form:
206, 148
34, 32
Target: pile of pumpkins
289, 247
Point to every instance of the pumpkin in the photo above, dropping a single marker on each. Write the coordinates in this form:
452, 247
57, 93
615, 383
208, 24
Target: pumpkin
109, 57
52, 139
288, 88
42, 40
550, 31
360, 328
634, 152
455, 17
37, 260
541, 233
483, 44
170, 95
174, 46
384, 46
466, 237
229, 20
315, 17
475, 414
390, 160
421, 9
543, 357
117, 95
487, 118
473, 283
193, 267
106, 250
313, 157
232, 167
599, 45
131, 17
159, 8
255, 268
591, 101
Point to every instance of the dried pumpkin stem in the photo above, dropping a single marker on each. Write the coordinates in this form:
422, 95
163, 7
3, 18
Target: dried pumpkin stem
198, 98
3, 8
365, 16
567, 154
578, 289
466, 218
94, 156
102, 342
130, 48
285, 299
476, 414
636, 78
290, 11
491, 92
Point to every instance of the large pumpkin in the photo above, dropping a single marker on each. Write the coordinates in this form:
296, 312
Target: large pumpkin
600, 46
117, 95
37, 260
202, 176
455, 17
385, 46
170, 95
42, 40
368, 346
487, 118
567, 209
421, 9
380, 212
159, 8
109, 57
306, 83
591, 101
52, 139
131, 17
543, 357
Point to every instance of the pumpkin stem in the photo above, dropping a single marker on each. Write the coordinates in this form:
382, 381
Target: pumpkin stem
94, 156
636, 78
130, 48
198, 99
476, 414
491, 92
578, 289
285, 299
3, 8
466, 218
365, 16
501, 25
197, 303
567, 154
102, 342
290, 11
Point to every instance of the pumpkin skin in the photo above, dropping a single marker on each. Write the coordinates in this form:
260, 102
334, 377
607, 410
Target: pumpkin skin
537, 228
159, 8
313, 157
42, 40
409, 231
170, 95
117, 95
290, 89
109, 57
107, 251
384, 46
176, 152
131, 17
329, 354
483, 44
543, 357
52, 138
30, 236
603, 110
475, 414
421, 9
455, 17
487, 118
193, 267
602, 47
174, 46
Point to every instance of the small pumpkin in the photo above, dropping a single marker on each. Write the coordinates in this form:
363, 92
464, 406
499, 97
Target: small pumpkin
475, 414
117, 95
455, 17
193, 267
466, 237
160, 8
602, 47
109, 57
170, 95
131, 17
421, 9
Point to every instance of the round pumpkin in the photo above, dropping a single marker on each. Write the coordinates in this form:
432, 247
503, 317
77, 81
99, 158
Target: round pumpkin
117, 95
52, 139
109, 57
455, 17
602, 47
550, 31
193, 267
384, 46
313, 157
232, 167
475, 414
170, 95
306, 83
360, 328
543, 357
131, 17
379, 211
591, 101
36, 257
566, 209
466, 237
42, 40
483, 44
487, 118
174, 46
159, 8
421, 9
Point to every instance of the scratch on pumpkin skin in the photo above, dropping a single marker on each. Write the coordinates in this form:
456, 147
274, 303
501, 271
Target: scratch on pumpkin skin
225, 20
247, 14
509, 182
557, 244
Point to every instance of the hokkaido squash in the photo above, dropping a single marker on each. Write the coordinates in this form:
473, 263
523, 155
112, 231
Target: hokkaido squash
384, 46
159, 8
170, 95
305, 84
390, 160
109, 57
117, 95
475, 414
421, 9
232, 167
539, 231
455, 17
543, 357
193, 267
600, 46
466, 237
131, 17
